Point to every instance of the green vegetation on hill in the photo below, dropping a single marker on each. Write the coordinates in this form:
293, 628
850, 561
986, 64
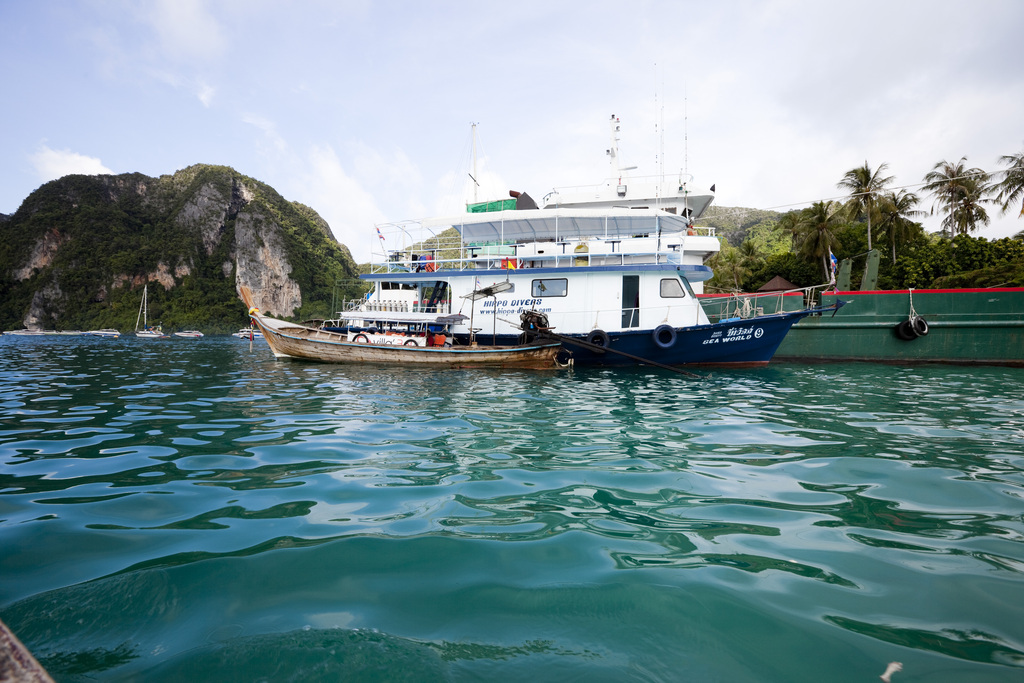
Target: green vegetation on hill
759, 245
78, 251
736, 225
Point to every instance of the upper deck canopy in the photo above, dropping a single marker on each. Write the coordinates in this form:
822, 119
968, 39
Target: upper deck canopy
539, 225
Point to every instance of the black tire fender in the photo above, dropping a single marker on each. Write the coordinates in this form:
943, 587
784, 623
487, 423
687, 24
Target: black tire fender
920, 326
599, 338
905, 331
361, 339
664, 336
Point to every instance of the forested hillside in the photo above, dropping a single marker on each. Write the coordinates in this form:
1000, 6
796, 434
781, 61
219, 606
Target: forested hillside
79, 250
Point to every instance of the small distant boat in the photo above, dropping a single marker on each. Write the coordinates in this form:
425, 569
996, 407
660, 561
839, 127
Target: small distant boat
28, 333
420, 339
106, 332
248, 333
189, 334
151, 333
147, 332
41, 333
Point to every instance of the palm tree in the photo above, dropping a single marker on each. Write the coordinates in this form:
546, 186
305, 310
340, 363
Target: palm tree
895, 211
817, 227
733, 267
960, 192
788, 224
1011, 187
728, 269
749, 255
863, 183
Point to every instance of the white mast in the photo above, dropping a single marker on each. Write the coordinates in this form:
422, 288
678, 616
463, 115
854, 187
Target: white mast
476, 184
142, 310
613, 151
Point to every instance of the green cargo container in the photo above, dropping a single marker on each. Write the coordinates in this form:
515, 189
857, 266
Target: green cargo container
983, 326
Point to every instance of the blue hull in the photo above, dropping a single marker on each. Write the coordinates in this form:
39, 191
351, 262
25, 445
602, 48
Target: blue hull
735, 343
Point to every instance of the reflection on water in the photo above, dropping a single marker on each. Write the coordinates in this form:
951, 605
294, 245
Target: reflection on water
196, 508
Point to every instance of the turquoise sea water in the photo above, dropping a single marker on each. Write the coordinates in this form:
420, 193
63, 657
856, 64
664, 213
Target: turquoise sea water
197, 510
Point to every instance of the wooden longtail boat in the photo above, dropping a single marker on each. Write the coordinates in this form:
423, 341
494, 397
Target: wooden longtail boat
418, 341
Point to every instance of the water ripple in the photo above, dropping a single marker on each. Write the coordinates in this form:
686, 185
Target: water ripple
243, 496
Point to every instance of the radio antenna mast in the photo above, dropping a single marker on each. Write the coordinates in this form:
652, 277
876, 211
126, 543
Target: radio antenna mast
473, 176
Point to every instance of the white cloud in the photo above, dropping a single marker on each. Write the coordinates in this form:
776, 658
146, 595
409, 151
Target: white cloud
51, 164
269, 129
205, 93
187, 31
342, 201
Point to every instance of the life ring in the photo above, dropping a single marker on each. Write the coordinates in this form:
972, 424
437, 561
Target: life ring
920, 326
905, 331
599, 338
361, 339
664, 336
411, 342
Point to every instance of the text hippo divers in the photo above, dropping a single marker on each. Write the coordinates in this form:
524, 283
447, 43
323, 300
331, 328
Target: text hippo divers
514, 303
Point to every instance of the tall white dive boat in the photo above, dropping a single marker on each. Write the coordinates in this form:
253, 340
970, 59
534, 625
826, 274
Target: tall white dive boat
617, 266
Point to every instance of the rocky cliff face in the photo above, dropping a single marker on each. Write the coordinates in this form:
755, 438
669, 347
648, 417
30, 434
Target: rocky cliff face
261, 264
92, 241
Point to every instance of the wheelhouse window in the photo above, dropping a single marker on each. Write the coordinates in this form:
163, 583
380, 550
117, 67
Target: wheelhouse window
552, 287
672, 288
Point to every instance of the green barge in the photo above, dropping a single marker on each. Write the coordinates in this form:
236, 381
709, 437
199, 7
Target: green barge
962, 326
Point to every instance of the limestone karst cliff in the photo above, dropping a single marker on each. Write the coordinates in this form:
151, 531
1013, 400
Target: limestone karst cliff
78, 251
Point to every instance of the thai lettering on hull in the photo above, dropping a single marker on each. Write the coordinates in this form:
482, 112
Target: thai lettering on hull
734, 334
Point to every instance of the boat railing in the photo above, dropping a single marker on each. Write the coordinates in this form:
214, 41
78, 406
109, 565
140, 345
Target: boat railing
745, 305
396, 306
677, 185
597, 250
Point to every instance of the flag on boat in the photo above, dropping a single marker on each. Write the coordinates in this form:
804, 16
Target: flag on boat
379, 234
833, 262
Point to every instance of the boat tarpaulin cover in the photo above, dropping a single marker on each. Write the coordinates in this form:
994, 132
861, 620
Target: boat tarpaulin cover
496, 205
558, 224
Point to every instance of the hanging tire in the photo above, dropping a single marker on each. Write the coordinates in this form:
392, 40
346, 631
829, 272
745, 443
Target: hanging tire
664, 336
905, 331
599, 338
361, 339
411, 342
920, 326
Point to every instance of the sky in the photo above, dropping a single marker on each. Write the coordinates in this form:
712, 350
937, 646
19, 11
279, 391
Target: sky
364, 109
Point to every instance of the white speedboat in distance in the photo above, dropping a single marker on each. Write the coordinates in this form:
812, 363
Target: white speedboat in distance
248, 333
189, 334
106, 332
48, 333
